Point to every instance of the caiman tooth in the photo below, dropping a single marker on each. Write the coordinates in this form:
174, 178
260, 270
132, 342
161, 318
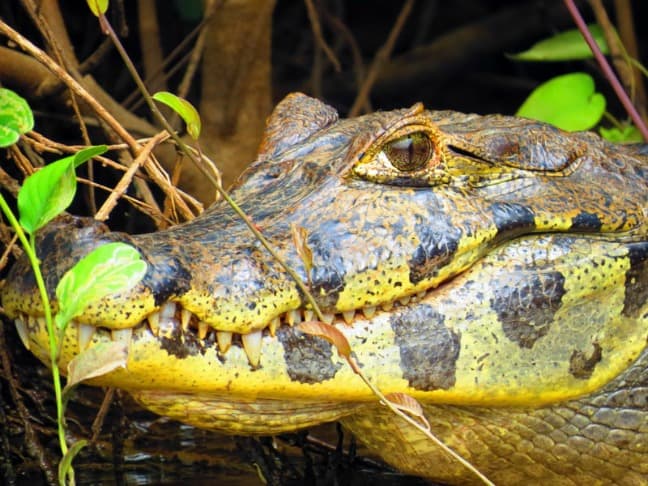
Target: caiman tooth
369, 311
309, 315
85, 332
122, 335
387, 306
252, 346
203, 327
404, 300
293, 317
224, 340
154, 323
327, 317
421, 294
22, 332
185, 317
348, 316
167, 311
274, 325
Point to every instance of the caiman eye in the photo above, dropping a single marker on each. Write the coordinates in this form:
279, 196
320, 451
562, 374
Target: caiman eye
409, 153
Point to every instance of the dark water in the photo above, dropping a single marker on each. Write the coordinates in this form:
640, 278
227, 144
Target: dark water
136, 447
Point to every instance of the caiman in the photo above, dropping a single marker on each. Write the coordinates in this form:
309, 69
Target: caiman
491, 267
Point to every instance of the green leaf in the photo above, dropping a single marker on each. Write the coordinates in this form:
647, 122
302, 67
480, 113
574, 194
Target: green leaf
566, 46
49, 191
16, 117
626, 134
66, 461
109, 269
98, 7
46, 193
568, 102
83, 155
183, 108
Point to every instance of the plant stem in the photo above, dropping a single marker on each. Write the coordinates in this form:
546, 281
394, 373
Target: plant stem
223, 193
29, 247
607, 70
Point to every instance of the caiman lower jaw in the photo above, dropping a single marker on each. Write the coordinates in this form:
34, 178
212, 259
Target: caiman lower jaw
173, 321
234, 415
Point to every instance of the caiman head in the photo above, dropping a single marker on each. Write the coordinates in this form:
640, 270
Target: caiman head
476, 263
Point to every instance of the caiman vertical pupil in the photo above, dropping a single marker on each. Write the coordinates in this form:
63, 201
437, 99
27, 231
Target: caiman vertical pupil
409, 153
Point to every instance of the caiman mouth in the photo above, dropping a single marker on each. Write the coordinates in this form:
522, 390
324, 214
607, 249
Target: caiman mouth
173, 321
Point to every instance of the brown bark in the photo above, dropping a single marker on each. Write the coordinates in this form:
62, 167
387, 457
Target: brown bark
236, 89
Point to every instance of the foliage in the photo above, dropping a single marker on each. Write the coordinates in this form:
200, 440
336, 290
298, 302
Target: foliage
48, 192
16, 117
569, 102
113, 267
107, 269
566, 46
183, 108
98, 7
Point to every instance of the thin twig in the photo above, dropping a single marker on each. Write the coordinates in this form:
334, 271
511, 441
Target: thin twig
607, 70
380, 59
197, 51
319, 37
97, 423
80, 91
185, 149
625, 24
133, 99
127, 178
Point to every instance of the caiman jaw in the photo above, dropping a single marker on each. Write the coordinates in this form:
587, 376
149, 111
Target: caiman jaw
173, 321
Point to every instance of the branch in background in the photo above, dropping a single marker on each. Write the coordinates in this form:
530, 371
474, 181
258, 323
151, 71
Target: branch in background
625, 23
382, 56
607, 70
630, 76
149, 38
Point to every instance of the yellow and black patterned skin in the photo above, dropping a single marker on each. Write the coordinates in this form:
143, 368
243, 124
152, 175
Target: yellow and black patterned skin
494, 268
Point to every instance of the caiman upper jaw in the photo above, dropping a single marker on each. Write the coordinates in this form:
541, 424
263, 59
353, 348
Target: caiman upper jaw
157, 302
173, 321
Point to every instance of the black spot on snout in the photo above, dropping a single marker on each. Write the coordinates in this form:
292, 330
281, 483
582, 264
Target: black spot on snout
165, 277
308, 358
511, 219
428, 349
581, 365
585, 221
439, 240
526, 305
636, 281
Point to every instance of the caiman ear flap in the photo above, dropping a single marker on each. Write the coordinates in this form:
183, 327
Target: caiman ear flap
294, 119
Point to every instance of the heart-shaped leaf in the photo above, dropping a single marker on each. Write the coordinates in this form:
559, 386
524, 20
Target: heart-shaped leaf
569, 102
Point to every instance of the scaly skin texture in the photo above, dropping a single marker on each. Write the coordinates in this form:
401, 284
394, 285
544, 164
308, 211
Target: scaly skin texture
491, 267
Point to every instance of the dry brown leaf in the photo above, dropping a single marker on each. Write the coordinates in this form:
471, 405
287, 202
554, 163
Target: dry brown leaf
96, 361
409, 405
330, 333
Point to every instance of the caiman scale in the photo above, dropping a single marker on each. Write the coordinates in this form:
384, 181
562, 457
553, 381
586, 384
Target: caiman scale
494, 268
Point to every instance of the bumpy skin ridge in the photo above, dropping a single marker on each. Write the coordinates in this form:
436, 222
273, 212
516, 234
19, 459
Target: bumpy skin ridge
526, 249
